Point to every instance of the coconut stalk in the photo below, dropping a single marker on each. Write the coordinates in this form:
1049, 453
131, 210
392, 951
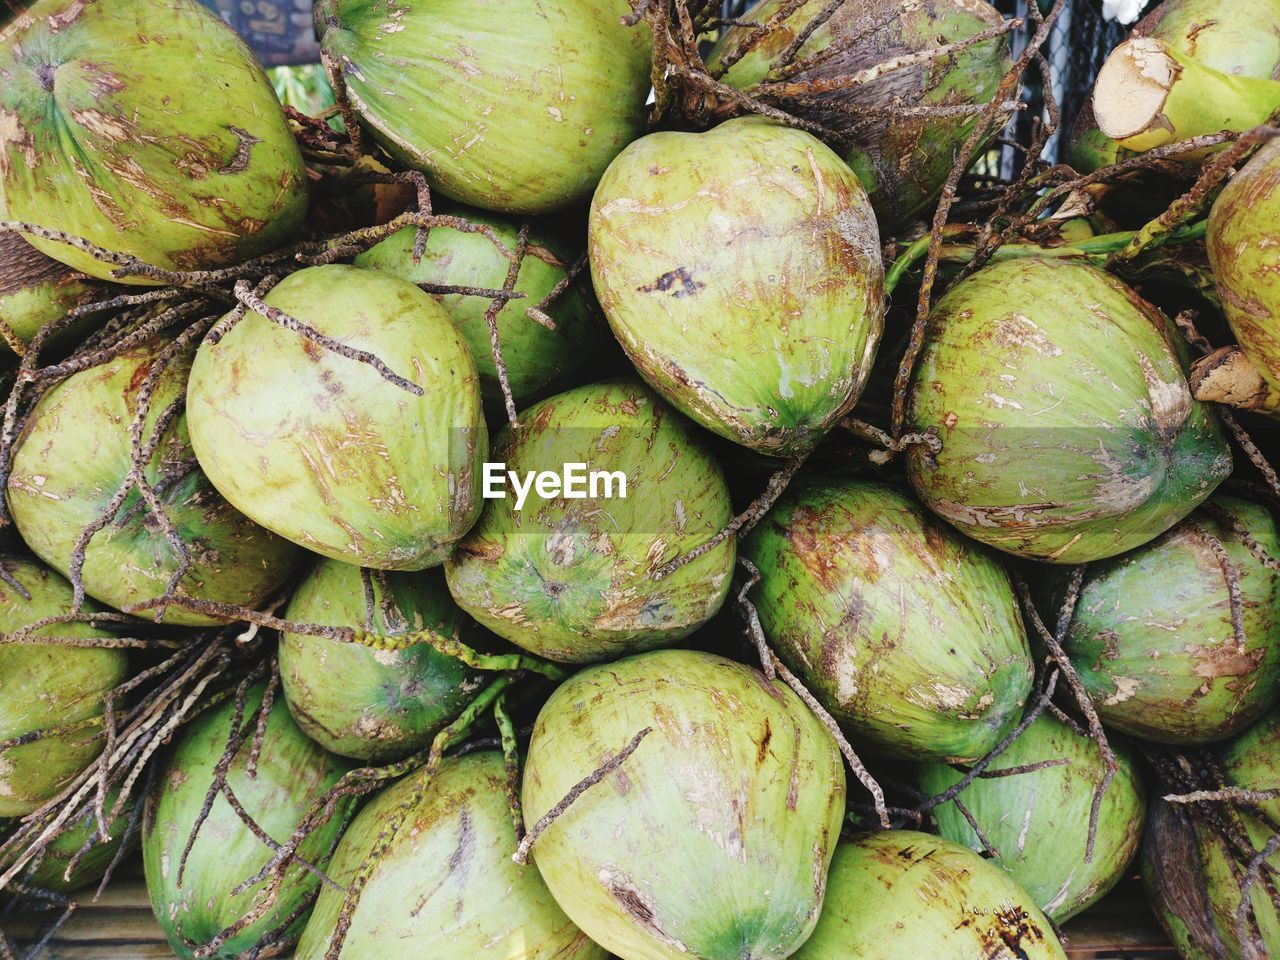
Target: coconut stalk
1148, 94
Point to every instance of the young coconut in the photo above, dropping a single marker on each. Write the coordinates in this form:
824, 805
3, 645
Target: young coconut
1068, 430
35, 289
881, 124
536, 356
943, 676
76, 502
1036, 820
1166, 647
1193, 878
373, 705
876, 907
429, 887
1243, 241
528, 100
78, 856
1240, 40
740, 269
364, 445
52, 697
197, 849
1252, 761
182, 175
572, 578
712, 840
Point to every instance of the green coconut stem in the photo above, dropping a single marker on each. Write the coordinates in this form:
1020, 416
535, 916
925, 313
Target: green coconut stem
511, 761
1148, 94
521, 856
1097, 250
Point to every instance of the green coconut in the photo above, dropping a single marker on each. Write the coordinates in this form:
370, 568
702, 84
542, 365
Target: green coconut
77, 856
1068, 431
194, 905
1038, 821
740, 269
1241, 40
900, 893
1192, 879
712, 840
1152, 635
572, 578
536, 358
46, 687
323, 450
101, 138
902, 160
1244, 252
447, 883
512, 105
373, 705
35, 289
942, 675
1252, 761
73, 455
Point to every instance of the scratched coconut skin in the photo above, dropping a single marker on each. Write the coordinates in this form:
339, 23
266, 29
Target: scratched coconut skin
97, 139
44, 686
35, 289
447, 883
326, 452
536, 358
1068, 430
373, 705
712, 841
1240, 39
512, 105
972, 909
903, 161
1039, 820
73, 455
1243, 241
943, 674
740, 269
1152, 637
572, 580
1193, 884
292, 773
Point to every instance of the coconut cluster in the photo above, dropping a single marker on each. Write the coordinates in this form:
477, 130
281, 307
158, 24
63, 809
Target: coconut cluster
628, 480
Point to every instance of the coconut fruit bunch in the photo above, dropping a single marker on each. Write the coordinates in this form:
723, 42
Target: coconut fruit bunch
630, 480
